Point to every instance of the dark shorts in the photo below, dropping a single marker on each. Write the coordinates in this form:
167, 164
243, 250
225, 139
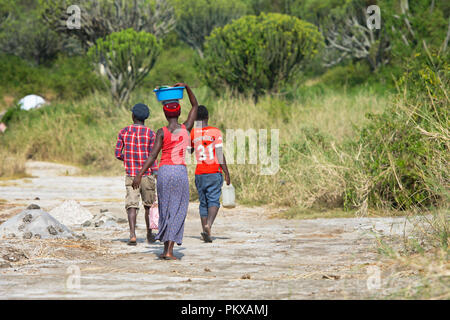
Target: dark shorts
209, 187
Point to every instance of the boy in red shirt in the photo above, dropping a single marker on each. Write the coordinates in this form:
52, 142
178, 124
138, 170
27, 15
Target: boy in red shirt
206, 142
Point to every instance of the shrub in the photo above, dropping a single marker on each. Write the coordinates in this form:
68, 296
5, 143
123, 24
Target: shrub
405, 150
65, 78
73, 77
349, 75
127, 56
255, 54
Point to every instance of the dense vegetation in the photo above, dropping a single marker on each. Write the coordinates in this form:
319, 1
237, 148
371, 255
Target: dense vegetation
315, 86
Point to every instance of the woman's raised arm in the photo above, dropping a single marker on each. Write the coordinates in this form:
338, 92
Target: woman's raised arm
189, 123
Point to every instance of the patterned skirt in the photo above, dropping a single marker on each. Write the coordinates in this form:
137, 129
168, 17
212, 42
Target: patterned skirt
173, 202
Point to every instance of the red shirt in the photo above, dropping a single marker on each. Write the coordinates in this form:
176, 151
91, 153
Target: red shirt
133, 147
205, 141
174, 146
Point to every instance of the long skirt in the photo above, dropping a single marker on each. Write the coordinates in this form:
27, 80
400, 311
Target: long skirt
173, 202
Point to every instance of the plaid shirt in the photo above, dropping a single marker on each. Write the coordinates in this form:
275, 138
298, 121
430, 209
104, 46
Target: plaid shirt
133, 147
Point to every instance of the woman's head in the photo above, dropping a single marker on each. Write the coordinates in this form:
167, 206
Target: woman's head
172, 110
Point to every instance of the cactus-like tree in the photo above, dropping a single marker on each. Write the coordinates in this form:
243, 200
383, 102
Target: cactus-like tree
127, 57
102, 17
257, 54
197, 18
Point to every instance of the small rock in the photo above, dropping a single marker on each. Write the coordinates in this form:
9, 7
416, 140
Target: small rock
122, 220
37, 236
207, 270
21, 227
82, 237
33, 207
110, 223
331, 277
99, 223
60, 230
11, 235
86, 224
27, 235
52, 230
37, 198
27, 218
246, 276
103, 210
5, 265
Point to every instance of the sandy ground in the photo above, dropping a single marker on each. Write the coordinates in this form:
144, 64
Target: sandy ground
252, 257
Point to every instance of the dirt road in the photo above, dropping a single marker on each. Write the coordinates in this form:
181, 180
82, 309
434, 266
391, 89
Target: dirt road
252, 256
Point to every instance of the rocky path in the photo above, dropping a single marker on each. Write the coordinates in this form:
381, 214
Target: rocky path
252, 257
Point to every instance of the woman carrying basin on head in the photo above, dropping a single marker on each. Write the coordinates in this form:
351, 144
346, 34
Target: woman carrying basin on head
172, 183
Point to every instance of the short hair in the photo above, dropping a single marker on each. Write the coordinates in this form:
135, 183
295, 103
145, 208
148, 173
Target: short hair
202, 113
140, 111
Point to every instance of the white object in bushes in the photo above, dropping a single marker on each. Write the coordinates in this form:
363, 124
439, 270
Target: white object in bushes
31, 101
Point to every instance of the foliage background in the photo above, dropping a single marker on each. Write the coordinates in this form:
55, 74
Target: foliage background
333, 112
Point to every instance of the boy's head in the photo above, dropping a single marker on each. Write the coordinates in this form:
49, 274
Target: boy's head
202, 113
140, 112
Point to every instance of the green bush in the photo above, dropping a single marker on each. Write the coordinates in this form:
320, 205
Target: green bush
406, 150
349, 75
257, 54
65, 78
74, 77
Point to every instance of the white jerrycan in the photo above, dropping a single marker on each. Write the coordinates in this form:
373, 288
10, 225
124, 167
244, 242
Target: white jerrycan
228, 196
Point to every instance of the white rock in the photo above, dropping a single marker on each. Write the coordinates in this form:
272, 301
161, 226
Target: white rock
71, 213
36, 223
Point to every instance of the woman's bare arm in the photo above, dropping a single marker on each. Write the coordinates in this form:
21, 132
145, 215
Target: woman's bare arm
151, 158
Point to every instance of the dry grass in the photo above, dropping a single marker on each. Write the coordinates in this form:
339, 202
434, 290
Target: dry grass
12, 165
423, 253
313, 161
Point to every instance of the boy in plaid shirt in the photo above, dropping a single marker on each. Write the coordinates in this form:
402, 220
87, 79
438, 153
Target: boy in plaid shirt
134, 144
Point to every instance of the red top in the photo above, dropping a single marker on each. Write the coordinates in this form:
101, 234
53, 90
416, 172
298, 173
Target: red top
133, 147
174, 146
205, 141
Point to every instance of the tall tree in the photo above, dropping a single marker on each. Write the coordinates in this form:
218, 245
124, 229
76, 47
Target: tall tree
24, 34
348, 36
100, 18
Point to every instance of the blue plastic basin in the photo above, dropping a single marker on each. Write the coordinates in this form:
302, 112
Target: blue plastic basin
171, 93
